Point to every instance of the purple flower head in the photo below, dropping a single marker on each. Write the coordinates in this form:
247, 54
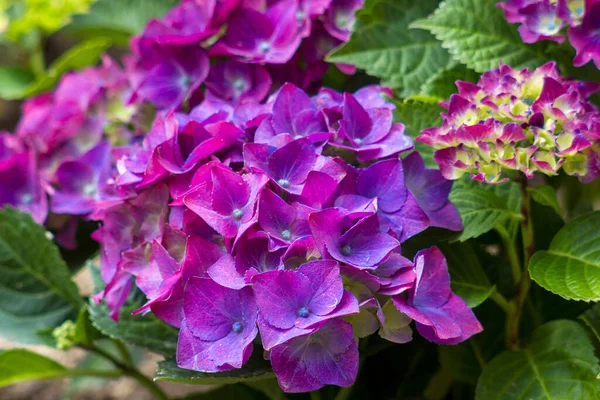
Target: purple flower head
381, 186
586, 37
188, 23
225, 199
430, 190
395, 275
542, 22
340, 17
20, 185
328, 356
81, 182
360, 244
252, 257
166, 75
238, 82
271, 37
219, 326
288, 166
283, 222
294, 114
440, 315
369, 131
291, 303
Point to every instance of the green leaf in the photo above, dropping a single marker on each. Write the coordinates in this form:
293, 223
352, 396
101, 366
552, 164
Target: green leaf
468, 278
417, 115
270, 388
545, 195
480, 207
14, 82
460, 362
77, 57
476, 33
383, 45
443, 84
559, 364
592, 319
20, 365
36, 291
237, 391
145, 331
571, 266
118, 20
255, 369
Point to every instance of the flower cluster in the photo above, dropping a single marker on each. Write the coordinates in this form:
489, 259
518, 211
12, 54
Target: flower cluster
518, 121
237, 203
553, 20
249, 221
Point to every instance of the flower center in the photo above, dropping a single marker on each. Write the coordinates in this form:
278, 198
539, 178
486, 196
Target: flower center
300, 15
237, 327
358, 141
284, 183
89, 189
286, 235
26, 198
346, 250
238, 84
303, 312
264, 47
237, 213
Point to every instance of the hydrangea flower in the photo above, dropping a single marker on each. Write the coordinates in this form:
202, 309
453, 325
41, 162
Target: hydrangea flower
517, 121
555, 20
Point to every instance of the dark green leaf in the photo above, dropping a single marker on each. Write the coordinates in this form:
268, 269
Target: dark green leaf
146, 331
558, 364
476, 33
236, 391
460, 362
118, 20
36, 291
417, 115
468, 278
270, 388
78, 57
480, 207
545, 195
383, 45
592, 319
255, 369
20, 365
571, 266
14, 82
443, 84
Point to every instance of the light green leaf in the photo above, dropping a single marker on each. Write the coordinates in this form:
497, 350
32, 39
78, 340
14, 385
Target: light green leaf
468, 278
20, 365
443, 84
383, 45
118, 20
592, 319
14, 82
545, 195
476, 33
417, 115
480, 207
571, 266
559, 364
78, 57
255, 369
36, 291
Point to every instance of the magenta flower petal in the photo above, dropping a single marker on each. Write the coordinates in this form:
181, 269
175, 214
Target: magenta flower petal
326, 357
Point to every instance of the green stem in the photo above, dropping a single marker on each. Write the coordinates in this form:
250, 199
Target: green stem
511, 252
95, 373
123, 351
131, 372
513, 319
504, 304
438, 386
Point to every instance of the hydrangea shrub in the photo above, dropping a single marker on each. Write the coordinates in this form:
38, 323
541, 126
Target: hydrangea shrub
259, 211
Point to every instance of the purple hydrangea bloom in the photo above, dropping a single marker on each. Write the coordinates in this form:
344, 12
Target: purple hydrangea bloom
440, 315
292, 303
328, 356
219, 326
360, 244
238, 82
585, 38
